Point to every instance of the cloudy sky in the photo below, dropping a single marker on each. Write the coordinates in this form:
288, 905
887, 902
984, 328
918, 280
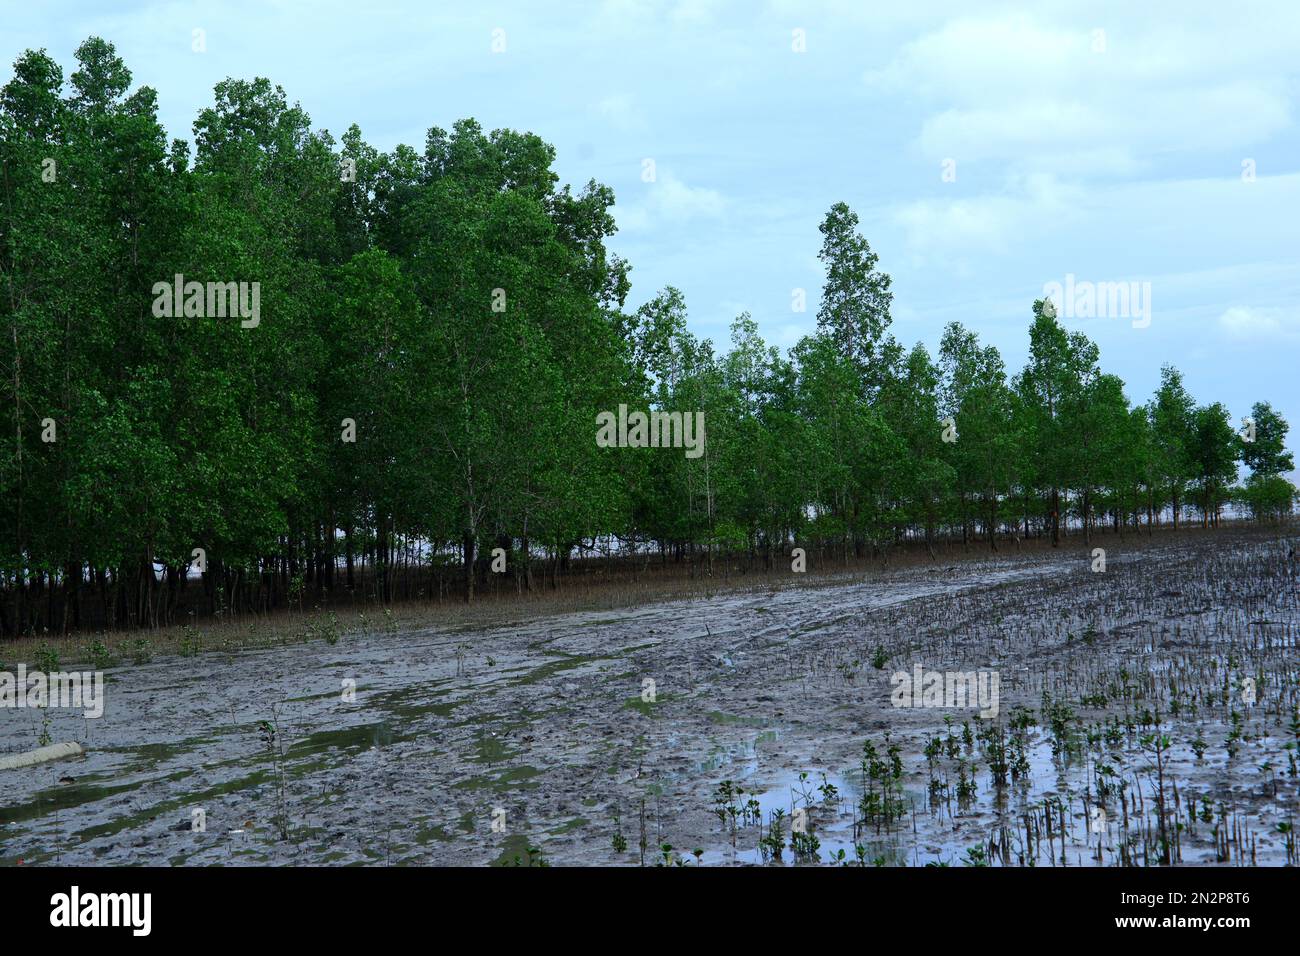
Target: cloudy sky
1115, 142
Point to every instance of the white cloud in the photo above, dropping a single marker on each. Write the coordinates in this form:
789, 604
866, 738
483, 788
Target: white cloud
694, 11
987, 224
1112, 229
1039, 96
641, 14
621, 111
669, 200
1251, 324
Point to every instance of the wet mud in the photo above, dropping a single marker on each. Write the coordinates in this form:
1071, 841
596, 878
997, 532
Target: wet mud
1147, 714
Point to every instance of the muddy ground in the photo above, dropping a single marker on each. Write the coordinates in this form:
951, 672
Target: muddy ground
1126, 732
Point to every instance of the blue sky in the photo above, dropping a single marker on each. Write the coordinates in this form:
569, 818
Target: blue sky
1103, 140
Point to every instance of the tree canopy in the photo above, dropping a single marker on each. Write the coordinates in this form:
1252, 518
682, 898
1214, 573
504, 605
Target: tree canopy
438, 330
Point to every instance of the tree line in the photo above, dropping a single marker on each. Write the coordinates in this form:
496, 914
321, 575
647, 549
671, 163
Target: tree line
440, 331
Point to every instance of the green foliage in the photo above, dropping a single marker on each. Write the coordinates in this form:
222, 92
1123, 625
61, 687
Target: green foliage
1267, 456
99, 655
439, 329
1266, 497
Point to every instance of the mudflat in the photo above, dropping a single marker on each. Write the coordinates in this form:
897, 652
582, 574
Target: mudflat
1145, 713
